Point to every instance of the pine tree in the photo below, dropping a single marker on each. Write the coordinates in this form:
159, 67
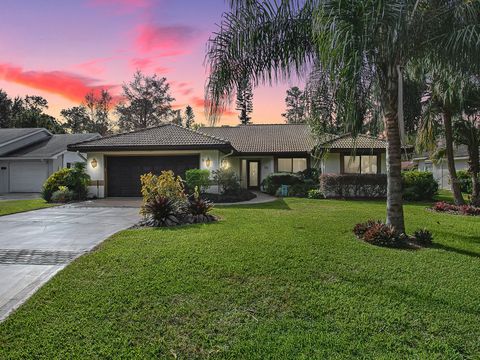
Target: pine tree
177, 117
189, 117
295, 102
244, 101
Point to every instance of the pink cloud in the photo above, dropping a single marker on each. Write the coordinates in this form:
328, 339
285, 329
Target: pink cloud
169, 40
94, 66
70, 86
200, 103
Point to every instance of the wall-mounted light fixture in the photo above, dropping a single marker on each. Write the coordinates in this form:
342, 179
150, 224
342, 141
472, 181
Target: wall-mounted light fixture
208, 162
94, 163
225, 164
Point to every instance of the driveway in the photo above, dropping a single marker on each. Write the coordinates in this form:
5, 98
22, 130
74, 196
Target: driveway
37, 244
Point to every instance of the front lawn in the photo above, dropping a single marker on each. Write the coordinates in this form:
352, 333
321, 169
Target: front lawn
282, 280
15, 206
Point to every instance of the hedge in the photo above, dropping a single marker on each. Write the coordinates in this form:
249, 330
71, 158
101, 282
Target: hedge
353, 185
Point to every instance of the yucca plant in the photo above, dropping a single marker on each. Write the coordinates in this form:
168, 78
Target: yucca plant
199, 208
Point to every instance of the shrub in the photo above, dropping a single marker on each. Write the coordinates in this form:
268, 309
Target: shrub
353, 185
161, 211
456, 209
241, 195
273, 181
197, 178
465, 180
310, 174
383, 235
199, 209
423, 237
62, 195
76, 179
360, 228
419, 185
165, 185
228, 181
302, 189
315, 194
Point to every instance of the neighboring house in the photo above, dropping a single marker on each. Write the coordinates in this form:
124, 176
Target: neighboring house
29, 156
439, 167
116, 162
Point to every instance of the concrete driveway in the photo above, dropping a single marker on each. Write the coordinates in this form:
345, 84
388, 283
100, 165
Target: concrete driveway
35, 245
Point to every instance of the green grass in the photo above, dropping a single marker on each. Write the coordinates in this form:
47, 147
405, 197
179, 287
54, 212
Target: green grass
15, 206
282, 280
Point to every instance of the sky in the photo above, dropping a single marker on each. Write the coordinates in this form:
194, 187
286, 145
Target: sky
61, 49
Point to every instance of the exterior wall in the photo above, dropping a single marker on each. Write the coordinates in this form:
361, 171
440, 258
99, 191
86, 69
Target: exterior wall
330, 164
383, 163
237, 163
97, 174
71, 157
440, 170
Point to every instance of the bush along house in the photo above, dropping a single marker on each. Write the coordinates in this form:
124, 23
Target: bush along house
115, 163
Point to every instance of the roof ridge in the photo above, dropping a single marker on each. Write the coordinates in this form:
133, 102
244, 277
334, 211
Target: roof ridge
201, 133
123, 133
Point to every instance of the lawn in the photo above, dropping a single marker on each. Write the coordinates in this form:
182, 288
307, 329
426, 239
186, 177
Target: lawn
281, 280
15, 206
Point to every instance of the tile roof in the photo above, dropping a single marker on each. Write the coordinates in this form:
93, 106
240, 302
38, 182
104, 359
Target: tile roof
268, 138
361, 141
10, 134
52, 146
162, 137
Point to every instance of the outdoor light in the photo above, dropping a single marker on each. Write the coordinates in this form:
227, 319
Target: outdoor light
208, 162
225, 164
94, 163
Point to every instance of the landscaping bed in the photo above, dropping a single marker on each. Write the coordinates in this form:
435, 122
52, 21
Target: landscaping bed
240, 195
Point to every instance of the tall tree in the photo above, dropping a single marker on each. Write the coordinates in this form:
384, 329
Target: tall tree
296, 106
30, 113
98, 107
244, 100
147, 102
177, 117
270, 41
76, 120
189, 117
5, 110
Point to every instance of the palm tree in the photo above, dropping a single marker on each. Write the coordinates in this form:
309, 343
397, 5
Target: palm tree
270, 42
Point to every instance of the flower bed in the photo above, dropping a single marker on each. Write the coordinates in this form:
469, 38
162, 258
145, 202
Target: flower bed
456, 209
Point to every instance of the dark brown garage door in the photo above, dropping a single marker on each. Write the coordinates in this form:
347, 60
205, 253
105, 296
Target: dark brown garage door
123, 173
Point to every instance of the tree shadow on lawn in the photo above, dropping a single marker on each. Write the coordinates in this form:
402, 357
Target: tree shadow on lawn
455, 250
279, 204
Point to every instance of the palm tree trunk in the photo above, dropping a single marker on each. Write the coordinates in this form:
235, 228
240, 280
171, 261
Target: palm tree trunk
447, 122
394, 153
475, 170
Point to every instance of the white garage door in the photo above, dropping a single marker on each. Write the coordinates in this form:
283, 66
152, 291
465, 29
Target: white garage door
27, 176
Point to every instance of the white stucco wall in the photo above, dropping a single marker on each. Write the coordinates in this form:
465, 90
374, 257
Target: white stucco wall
440, 169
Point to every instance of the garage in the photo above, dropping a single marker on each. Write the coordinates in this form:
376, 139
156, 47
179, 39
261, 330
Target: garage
123, 172
27, 176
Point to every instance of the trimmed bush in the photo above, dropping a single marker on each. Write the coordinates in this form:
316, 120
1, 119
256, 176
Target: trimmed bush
62, 195
465, 180
419, 185
273, 181
302, 189
228, 181
197, 178
310, 174
75, 179
315, 194
353, 185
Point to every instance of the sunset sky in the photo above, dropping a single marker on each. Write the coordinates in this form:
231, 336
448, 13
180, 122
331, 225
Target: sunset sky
60, 49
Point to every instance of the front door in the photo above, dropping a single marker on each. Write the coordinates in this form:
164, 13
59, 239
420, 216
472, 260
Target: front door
253, 171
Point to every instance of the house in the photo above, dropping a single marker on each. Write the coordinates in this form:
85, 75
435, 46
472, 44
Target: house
116, 162
439, 168
28, 156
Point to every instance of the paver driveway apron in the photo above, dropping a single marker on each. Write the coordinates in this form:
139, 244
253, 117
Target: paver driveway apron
35, 245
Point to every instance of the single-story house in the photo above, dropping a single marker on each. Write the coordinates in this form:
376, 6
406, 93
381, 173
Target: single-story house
116, 162
439, 168
29, 156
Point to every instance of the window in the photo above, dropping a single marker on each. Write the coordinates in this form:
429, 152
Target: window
291, 165
360, 164
69, 165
